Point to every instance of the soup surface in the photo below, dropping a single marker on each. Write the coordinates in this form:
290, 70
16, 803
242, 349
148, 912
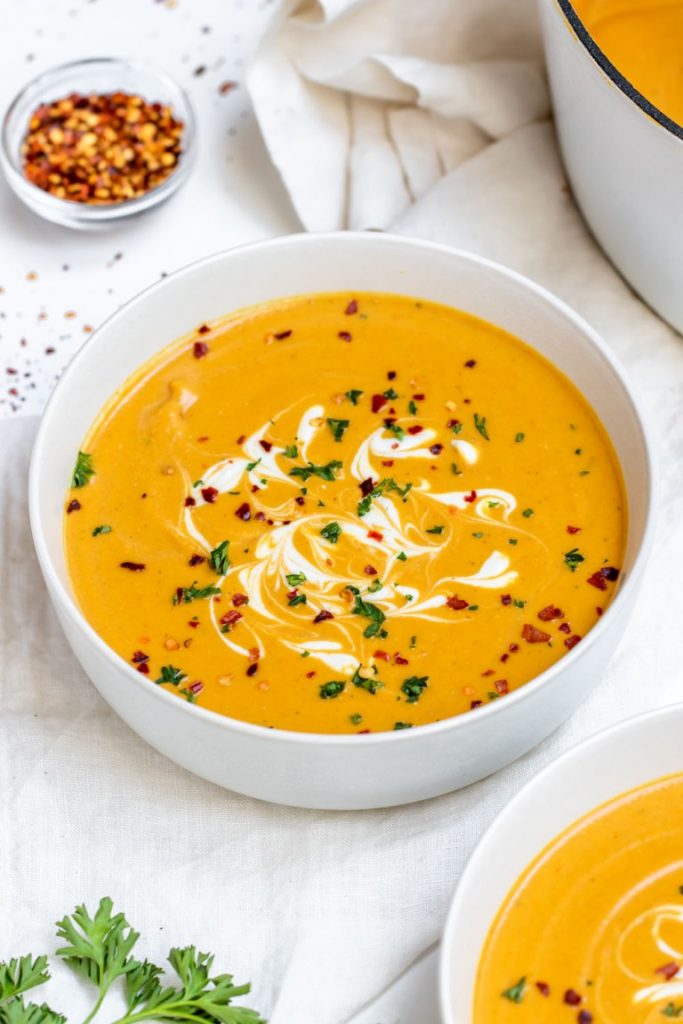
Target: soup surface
593, 930
644, 41
345, 513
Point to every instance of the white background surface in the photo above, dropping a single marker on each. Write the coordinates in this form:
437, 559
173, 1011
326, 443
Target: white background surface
233, 195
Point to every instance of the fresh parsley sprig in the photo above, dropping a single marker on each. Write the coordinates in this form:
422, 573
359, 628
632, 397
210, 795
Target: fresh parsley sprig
83, 470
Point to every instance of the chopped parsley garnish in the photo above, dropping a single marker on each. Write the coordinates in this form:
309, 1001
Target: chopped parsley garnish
527, 513
353, 395
99, 530
671, 1010
413, 642
305, 654
414, 687
295, 578
473, 608
296, 599
219, 558
513, 541
402, 556
324, 472
519, 604
395, 429
478, 535
480, 424
331, 689
197, 483
519, 438
374, 586
493, 504
412, 408
455, 469
369, 611
457, 427
387, 484
83, 470
585, 472
185, 595
515, 992
355, 718
331, 532
372, 685
252, 465
573, 559
403, 725
337, 427
189, 695
170, 674
291, 451
391, 394
436, 529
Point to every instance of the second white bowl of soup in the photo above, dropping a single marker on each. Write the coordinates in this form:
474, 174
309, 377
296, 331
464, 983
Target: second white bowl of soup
349, 541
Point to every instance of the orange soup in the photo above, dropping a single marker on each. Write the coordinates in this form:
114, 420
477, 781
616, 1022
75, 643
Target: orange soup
345, 514
593, 930
644, 41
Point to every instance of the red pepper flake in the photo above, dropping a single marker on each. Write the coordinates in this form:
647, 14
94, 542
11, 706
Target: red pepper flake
457, 603
189, 502
196, 560
253, 669
243, 512
378, 402
239, 599
204, 329
533, 635
543, 987
585, 1017
391, 374
292, 594
564, 627
375, 535
382, 655
504, 657
230, 618
476, 704
470, 363
281, 335
419, 398
572, 641
400, 660
226, 87
363, 732
513, 648
501, 686
388, 462
143, 667
73, 506
351, 308
598, 611
452, 423
193, 623
472, 496
255, 488
436, 449
370, 570
415, 429
309, 675
241, 439
366, 486
573, 529
266, 445
572, 998
260, 517
299, 500
200, 349
133, 566
139, 656
488, 672
549, 613
209, 494
323, 615
506, 599
344, 335
668, 971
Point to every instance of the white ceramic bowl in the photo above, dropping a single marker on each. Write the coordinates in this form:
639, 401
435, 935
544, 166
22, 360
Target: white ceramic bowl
624, 158
582, 779
308, 770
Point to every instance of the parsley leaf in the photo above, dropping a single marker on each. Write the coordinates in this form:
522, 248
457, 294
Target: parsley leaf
324, 472
402, 725
296, 599
519, 438
372, 685
573, 559
252, 465
515, 992
436, 529
353, 396
331, 689
291, 451
480, 424
391, 394
99, 530
170, 674
83, 470
395, 429
331, 532
18, 1012
369, 611
387, 484
338, 427
295, 578
19, 975
413, 688
412, 408
185, 595
220, 560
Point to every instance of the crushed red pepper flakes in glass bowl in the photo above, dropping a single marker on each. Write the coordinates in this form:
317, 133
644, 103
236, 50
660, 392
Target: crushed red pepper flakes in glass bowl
91, 142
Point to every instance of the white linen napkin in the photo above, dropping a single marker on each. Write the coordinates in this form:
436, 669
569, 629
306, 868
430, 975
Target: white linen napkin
322, 911
365, 104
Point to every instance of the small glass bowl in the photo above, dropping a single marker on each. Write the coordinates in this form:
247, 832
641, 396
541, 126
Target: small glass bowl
98, 75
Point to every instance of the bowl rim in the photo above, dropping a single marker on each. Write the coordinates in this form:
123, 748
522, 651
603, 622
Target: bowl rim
84, 212
526, 692
560, 764
620, 80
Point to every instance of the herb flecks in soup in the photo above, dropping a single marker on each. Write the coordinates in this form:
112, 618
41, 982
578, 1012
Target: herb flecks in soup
345, 514
593, 930
643, 39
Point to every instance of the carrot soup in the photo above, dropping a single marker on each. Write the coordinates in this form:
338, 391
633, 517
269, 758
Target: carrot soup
345, 513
